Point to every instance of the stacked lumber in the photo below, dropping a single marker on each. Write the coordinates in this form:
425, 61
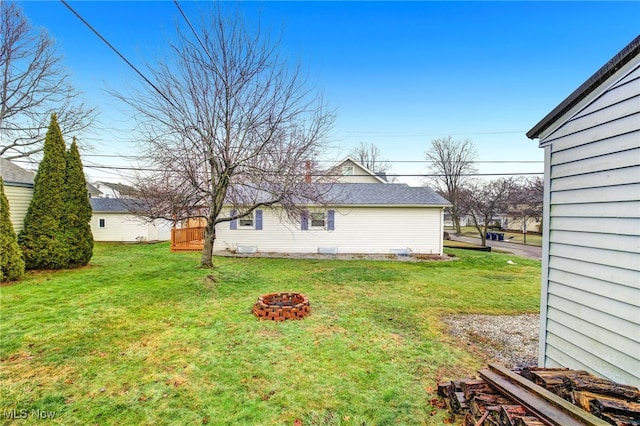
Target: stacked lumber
616, 403
540, 397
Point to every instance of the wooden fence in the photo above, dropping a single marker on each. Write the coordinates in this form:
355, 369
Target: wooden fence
187, 239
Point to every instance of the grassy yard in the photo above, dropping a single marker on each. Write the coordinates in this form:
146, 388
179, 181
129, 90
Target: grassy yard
142, 336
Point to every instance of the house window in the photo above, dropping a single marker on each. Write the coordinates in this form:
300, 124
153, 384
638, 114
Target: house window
317, 220
347, 170
252, 221
246, 222
102, 223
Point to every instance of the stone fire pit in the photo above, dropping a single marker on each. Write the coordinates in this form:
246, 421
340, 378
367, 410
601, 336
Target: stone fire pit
282, 306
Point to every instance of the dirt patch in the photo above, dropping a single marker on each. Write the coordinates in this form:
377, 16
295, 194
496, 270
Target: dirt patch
416, 257
511, 340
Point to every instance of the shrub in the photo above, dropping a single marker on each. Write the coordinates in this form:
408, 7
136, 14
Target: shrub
42, 240
77, 215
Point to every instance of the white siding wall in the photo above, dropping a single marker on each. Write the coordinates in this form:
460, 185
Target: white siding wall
19, 198
357, 230
592, 289
125, 227
359, 175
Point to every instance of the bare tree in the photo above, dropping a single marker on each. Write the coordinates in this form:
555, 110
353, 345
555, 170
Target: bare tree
231, 124
484, 200
527, 201
450, 164
370, 156
33, 85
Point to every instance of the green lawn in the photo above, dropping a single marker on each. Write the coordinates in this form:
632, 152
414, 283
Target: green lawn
142, 336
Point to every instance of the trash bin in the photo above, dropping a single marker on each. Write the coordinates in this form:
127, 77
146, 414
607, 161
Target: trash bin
500, 236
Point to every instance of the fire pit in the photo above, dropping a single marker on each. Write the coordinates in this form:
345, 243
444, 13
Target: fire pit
282, 306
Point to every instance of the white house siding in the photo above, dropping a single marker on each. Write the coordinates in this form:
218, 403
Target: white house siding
357, 230
359, 175
591, 276
126, 228
19, 198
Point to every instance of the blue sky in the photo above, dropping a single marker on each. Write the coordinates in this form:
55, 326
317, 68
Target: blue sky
398, 73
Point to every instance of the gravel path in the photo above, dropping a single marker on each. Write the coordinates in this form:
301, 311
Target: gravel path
511, 340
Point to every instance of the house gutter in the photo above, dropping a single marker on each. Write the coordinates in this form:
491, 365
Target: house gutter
19, 184
610, 68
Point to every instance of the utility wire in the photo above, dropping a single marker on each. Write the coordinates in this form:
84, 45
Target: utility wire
333, 162
117, 52
144, 169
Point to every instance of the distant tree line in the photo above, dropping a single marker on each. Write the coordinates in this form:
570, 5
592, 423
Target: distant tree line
480, 200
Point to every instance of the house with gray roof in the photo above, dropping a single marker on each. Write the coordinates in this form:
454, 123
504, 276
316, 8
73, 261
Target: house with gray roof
590, 300
18, 186
118, 219
366, 215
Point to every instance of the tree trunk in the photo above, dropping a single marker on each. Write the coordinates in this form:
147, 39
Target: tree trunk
206, 260
456, 223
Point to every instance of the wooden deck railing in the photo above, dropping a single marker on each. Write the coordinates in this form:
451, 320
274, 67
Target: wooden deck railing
187, 239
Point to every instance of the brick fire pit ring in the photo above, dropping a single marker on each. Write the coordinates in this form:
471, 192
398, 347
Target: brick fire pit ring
282, 306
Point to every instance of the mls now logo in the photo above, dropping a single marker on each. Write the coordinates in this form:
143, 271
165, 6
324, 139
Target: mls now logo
14, 413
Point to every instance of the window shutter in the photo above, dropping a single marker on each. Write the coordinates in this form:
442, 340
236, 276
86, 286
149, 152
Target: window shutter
331, 220
304, 221
259, 220
233, 224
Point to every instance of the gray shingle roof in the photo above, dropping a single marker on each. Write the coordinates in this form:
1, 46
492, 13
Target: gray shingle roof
113, 205
389, 194
341, 194
12, 174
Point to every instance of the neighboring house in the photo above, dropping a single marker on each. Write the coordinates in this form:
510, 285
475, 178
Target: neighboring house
371, 218
115, 190
590, 306
93, 191
514, 222
464, 220
18, 187
113, 220
351, 171
521, 218
366, 215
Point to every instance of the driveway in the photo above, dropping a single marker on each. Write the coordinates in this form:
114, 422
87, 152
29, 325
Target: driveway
532, 252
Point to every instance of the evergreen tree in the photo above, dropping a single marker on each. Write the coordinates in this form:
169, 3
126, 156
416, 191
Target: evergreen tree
75, 221
42, 240
11, 262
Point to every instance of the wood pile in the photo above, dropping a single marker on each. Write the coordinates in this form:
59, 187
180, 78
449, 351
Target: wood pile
540, 397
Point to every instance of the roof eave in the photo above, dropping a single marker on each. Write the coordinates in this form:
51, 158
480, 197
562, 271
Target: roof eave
618, 61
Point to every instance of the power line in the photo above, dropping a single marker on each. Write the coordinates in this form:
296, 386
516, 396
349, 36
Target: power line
117, 52
145, 169
334, 162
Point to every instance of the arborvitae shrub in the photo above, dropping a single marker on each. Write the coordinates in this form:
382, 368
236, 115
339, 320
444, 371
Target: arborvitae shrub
77, 216
42, 240
11, 262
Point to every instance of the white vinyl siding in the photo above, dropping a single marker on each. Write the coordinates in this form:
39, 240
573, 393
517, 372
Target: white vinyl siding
19, 198
356, 174
126, 228
356, 230
591, 297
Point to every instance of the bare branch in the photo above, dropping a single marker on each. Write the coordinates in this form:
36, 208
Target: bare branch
370, 156
451, 161
233, 125
33, 84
